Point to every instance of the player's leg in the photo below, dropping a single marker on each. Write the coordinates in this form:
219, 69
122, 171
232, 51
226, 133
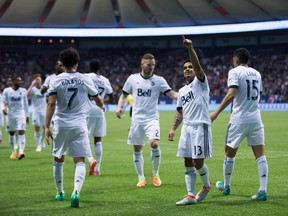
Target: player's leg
201, 138
152, 130
91, 125
98, 155
79, 148
14, 154
138, 162
21, 127
22, 144
11, 129
255, 136
37, 137
234, 136
58, 165
100, 131
190, 181
136, 138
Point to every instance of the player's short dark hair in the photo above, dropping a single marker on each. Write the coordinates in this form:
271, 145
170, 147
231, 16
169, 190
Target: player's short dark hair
69, 57
94, 65
148, 56
242, 54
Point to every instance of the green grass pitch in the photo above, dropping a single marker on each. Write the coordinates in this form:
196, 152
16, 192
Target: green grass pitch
27, 186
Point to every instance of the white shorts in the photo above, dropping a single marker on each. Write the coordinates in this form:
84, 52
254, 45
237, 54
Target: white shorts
15, 123
254, 132
76, 140
96, 126
137, 132
195, 141
38, 119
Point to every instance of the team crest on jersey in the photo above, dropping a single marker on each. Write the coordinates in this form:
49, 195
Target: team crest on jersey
152, 83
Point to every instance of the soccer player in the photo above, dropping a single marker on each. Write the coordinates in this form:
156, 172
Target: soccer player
69, 90
195, 143
244, 92
16, 108
9, 84
58, 69
38, 102
96, 120
145, 88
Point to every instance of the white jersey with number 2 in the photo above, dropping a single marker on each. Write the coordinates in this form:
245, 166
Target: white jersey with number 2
145, 93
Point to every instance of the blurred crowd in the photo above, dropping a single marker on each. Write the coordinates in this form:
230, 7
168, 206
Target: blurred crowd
118, 64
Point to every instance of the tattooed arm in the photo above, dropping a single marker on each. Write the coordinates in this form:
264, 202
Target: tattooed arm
177, 121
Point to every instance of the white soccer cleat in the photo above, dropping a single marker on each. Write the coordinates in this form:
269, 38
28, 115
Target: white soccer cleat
201, 195
38, 149
188, 200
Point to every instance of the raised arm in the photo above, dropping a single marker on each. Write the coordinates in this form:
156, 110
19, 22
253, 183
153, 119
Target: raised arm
194, 58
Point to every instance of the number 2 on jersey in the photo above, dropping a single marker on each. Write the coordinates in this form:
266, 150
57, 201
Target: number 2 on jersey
73, 95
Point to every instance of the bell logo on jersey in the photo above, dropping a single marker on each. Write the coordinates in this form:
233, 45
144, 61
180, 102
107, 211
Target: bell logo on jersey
15, 99
187, 98
142, 93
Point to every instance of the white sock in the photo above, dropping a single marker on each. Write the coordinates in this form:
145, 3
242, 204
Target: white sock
228, 167
204, 175
37, 137
80, 172
12, 142
190, 180
0, 134
138, 163
22, 143
58, 175
16, 138
42, 136
263, 172
98, 155
155, 157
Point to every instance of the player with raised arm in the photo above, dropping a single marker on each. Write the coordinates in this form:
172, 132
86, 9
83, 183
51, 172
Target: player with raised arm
195, 143
38, 103
96, 120
16, 108
244, 92
69, 90
145, 88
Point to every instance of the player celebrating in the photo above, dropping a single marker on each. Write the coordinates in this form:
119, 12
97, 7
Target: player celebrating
195, 142
38, 102
145, 88
245, 87
96, 120
16, 108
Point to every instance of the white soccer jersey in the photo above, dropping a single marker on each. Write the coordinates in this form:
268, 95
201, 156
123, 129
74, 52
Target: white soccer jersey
17, 101
145, 93
38, 100
193, 99
48, 80
245, 107
72, 90
104, 87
